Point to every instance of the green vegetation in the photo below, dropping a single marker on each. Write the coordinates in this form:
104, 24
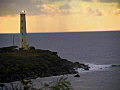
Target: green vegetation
18, 64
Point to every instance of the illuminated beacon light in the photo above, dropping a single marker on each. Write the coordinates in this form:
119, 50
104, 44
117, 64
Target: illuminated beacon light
23, 11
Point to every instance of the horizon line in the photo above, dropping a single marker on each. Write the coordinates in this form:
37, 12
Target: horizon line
62, 32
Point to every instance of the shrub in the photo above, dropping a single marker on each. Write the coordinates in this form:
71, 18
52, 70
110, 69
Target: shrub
32, 48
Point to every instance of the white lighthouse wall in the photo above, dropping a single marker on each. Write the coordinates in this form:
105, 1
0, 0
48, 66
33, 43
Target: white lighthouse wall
23, 34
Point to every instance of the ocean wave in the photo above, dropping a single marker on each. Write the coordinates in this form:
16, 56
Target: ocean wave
94, 67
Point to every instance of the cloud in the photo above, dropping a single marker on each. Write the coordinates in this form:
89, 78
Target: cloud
112, 1
87, 0
65, 6
93, 12
53, 10
50, 1
105, 1
13, 7
109, 1
40, 7
117, 12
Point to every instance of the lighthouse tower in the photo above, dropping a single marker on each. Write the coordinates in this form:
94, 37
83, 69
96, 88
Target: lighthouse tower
23, 35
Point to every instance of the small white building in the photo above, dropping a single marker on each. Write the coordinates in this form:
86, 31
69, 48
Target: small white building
23, 34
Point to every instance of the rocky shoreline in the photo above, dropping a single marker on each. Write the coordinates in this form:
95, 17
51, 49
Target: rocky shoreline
17, 64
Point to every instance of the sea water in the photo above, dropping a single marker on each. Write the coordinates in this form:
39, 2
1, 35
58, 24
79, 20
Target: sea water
98, 49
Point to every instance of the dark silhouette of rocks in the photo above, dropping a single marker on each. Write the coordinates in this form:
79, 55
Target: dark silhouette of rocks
18, 64
77, 75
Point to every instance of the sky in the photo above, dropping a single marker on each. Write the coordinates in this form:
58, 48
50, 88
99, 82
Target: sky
60, 15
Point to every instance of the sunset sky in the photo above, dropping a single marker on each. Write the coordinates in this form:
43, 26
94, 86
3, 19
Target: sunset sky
60, 15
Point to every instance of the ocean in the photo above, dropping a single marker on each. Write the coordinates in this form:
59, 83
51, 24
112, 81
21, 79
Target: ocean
98, 49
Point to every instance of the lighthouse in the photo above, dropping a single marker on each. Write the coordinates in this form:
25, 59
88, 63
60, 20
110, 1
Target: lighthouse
23, 34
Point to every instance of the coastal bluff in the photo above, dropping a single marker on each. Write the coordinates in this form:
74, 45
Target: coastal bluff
18, 64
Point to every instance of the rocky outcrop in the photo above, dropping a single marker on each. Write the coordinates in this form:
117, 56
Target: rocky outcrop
77, 75
18, 65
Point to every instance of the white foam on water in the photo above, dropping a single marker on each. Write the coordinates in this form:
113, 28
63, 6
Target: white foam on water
94, 67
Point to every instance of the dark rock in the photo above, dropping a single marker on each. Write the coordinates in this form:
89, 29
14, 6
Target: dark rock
32, 48
116, 65
34, 63
2, 85
86, 68
8, 49
80, 65
77, 75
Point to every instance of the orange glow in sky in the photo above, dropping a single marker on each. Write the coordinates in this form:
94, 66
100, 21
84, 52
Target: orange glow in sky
79, 16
